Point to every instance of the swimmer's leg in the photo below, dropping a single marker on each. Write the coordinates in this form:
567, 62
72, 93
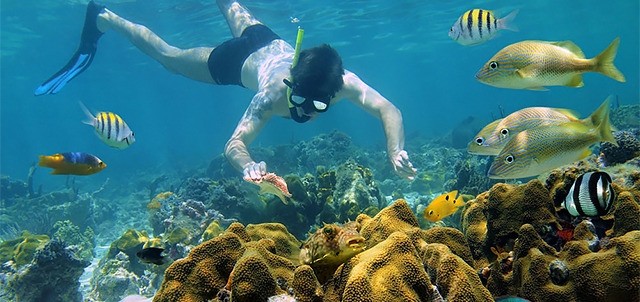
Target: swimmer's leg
191, 63
238, 17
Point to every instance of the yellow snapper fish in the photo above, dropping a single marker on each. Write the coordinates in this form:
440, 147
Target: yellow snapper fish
538, 150
443, 206
477, 26
110, 128
536, 64
332, 245
492, 138
273, 184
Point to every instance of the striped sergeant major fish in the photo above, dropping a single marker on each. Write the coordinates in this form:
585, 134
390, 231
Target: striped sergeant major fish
477, 26
110, 128
590, 195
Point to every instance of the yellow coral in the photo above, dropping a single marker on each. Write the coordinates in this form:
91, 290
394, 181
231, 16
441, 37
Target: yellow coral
213, 230
129, 243
389, 271
22, 249
156, 202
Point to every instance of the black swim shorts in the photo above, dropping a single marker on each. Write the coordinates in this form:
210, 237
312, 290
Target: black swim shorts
225, 61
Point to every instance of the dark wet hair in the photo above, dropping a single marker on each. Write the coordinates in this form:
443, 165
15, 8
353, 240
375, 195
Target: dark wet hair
318, 72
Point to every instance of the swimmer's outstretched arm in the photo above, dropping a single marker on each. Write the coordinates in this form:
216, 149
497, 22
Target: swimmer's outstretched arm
248, 128
373, 102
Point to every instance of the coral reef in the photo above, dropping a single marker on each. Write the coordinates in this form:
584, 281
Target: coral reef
627, 149
576, 274
355, 192
82, 243
510, 206
22, 249
389, 271
626, 116
120, 272
470, 176
51, 276
213, 264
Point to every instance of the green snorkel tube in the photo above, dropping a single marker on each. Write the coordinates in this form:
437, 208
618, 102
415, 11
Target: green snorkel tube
296, 55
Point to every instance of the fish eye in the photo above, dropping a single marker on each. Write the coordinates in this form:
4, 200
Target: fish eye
504, 132
493, 65
479, 140
509, 159
328, 231
430, 212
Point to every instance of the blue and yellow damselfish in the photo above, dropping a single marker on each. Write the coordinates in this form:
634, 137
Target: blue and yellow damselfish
72, 163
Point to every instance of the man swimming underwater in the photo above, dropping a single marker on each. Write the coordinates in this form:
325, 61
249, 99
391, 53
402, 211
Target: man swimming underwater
258, 59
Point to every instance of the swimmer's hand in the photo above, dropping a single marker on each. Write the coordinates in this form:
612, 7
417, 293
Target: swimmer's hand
402, 166
254, 171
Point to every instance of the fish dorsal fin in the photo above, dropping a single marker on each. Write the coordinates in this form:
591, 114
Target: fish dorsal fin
572, 115
572, 47
451, 197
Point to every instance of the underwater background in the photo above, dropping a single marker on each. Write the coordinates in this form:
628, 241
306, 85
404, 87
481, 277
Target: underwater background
400, 48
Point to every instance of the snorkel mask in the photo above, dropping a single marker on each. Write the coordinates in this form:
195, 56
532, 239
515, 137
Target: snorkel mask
295, 101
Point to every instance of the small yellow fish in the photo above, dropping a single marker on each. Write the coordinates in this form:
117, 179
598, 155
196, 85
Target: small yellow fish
477, 26
72, 163
536, 64
443, 206
535, 151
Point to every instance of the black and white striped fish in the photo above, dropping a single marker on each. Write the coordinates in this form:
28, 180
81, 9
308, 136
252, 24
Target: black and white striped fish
477, 26
110, 128
590, 195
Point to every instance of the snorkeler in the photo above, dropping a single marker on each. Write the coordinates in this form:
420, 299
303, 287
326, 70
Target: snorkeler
258, 59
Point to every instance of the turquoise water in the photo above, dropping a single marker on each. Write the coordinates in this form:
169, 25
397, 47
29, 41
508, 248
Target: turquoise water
400, 48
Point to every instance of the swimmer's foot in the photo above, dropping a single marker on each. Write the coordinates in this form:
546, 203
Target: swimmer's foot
83, 56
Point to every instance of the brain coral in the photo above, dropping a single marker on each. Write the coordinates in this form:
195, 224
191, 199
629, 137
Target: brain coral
389, 271
251, 270
511, 206
456, 280
576, 274
396, 217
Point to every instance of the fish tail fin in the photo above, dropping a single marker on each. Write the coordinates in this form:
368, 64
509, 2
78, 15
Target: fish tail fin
507, 21
604, 130
90, 116
604, 62
597, 117
50, 161
44, 161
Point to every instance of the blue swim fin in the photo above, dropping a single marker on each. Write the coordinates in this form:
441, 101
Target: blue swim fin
83, 56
